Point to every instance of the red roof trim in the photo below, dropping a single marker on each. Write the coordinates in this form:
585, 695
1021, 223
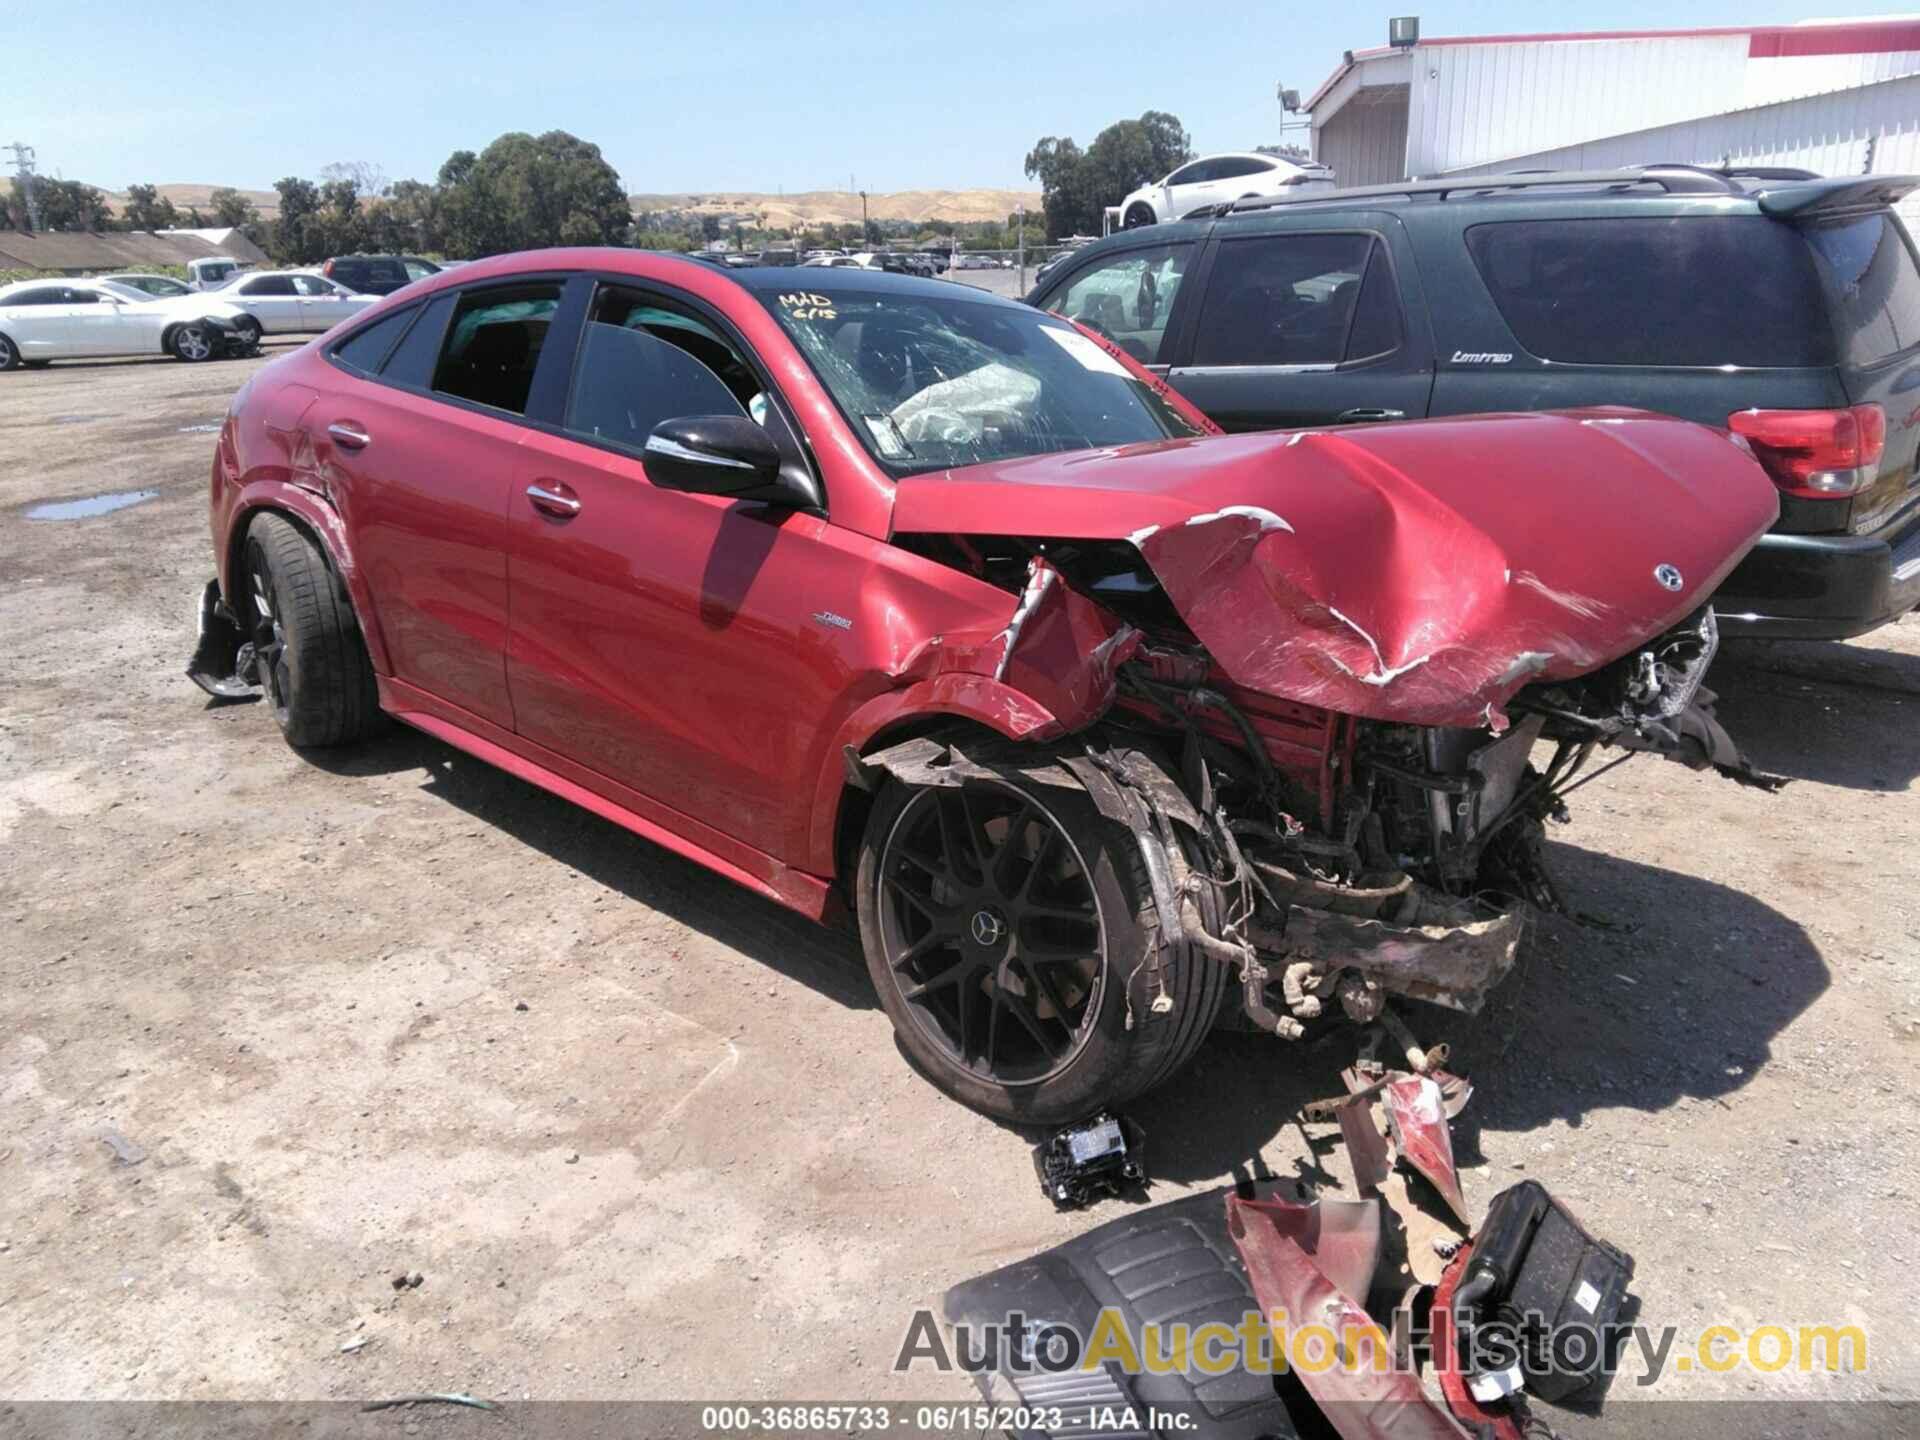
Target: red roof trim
1861, 37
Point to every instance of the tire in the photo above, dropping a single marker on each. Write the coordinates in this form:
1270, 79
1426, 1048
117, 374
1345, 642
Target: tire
309, 654
191, 343
246, 337
9, 355
1137, 217
943, 980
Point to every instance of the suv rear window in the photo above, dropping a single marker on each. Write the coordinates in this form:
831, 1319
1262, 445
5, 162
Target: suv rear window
1869, 273
1701, 291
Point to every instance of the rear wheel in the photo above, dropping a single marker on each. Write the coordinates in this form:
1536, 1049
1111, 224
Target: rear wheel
307, 649
1006, 926
9, 356
192, 343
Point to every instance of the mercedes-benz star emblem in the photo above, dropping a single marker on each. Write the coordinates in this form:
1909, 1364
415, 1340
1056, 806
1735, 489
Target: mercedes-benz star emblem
987, 928
1668, 576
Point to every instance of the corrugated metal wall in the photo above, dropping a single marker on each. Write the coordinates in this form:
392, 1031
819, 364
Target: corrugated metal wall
1872, 129
1366, 142
1478, 104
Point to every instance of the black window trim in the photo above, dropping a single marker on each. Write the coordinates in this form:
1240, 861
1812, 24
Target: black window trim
1380, 240
1180, 317
535, 396
333, 351
547, 400
673, 298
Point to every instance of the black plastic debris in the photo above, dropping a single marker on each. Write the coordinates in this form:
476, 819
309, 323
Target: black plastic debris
1080, 1163
1538, 1293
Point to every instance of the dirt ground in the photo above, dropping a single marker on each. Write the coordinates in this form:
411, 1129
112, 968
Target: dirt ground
275, 1029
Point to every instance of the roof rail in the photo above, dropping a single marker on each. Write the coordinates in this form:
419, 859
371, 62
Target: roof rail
1675, 179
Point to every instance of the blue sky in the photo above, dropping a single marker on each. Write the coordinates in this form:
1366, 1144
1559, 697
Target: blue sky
725, 95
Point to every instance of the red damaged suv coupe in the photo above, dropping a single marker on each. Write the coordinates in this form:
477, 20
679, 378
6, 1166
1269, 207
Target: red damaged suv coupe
882, 593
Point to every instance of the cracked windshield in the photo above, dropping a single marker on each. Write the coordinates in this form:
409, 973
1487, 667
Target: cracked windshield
933, 383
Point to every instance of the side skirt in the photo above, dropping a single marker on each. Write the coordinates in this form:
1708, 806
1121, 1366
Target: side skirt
809, 894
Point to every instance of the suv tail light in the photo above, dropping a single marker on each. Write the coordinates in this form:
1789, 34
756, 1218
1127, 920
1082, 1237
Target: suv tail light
1816, 454
327, 269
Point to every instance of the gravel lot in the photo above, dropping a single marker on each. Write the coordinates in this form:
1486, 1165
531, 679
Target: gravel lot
645, 1135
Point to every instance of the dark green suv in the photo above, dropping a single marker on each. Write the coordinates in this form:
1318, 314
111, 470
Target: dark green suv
1774, 303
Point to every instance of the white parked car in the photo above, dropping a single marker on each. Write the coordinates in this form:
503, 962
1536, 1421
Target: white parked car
1220, 180
45, 320
291, 302
152, 287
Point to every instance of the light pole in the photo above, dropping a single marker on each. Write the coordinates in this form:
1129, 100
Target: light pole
865, 238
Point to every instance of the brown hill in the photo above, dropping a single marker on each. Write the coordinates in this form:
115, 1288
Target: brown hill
841, 207
810, 207
188, 197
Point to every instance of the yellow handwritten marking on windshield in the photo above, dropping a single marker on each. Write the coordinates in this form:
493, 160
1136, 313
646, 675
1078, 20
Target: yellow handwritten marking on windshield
806, 305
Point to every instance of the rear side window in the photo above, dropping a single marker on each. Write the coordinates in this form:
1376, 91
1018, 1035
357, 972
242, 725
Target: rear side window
362, 351
494, 345
413, 363
1128, 298
1289, 300
1869, 274
268, 285
1704, 291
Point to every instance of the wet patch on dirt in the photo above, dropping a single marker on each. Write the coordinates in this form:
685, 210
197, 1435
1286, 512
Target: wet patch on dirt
90, 506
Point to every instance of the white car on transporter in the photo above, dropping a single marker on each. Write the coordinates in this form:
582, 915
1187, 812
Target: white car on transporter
1221, 180
46, 320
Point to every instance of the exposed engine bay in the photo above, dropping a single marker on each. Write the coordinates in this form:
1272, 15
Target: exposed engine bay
1333, 860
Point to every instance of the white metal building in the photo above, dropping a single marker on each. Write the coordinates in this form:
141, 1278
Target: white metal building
1840, 98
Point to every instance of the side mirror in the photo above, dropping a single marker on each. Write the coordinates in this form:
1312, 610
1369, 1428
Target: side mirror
711, 455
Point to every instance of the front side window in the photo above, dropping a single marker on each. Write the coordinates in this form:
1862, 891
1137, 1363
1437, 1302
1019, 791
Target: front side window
1194, 174
929, 383
1869, 273
1697, 291
1282, 300
494, 344
641, 363
1128, 298
419, 269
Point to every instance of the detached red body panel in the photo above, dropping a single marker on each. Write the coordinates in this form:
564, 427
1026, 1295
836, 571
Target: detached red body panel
1417, 573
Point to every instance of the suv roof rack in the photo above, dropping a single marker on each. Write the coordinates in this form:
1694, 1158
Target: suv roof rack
1675, 179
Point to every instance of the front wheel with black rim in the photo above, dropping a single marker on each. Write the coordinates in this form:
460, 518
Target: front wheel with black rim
246, 337
9, 356
1009, 930
1138, 216
191, 343
307, 651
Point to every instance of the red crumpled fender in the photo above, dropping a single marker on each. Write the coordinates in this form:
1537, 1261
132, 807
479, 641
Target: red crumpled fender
1292, 1270
1420, 573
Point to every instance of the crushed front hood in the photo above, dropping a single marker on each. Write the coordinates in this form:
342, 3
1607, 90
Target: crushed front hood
1421, 572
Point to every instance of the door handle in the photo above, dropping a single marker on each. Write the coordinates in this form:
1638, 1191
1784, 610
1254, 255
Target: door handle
351, 436
1364, 413
559, 502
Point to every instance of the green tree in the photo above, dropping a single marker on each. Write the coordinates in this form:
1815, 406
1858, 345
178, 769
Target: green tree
148, 209
1077, 185
232, 209
64, 205
524, 192
298, 236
